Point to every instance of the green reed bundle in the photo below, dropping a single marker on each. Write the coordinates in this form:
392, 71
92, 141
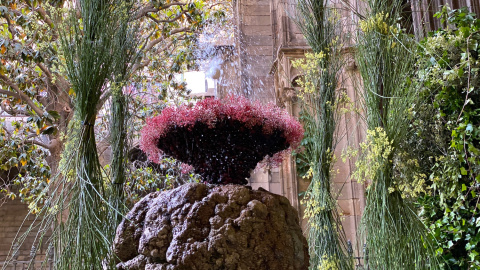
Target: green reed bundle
98, 52
395, 237
79, 219
127, 43
320, 102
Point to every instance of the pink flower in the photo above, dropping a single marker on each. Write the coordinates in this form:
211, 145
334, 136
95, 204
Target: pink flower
185, 168
243, 114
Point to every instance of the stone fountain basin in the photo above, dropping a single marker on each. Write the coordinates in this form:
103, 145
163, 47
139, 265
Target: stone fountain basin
199, 226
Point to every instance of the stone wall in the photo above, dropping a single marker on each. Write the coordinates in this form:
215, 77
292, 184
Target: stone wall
254, 44
290, 45
13, 220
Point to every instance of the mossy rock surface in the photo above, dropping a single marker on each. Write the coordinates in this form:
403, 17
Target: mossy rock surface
198, 226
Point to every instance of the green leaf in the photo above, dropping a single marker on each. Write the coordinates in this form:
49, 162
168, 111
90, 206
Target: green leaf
465, 31
472, 255
463, 172
54, 114
464, 187
450, 244
49, 130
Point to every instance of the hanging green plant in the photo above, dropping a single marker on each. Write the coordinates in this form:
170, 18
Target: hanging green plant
394, 235
446, 136
321, 105
78, 218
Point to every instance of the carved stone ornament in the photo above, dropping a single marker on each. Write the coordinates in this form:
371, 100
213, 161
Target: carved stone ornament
290, 94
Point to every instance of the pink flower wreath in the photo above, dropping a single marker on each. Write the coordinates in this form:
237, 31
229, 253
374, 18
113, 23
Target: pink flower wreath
223, 139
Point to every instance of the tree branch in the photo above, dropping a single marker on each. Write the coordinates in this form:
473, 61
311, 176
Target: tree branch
138, 66
22, 95
166, 21
14, 112
45, 16
47, 20
151, 8
153, 43
145, 63
11, 28
179, 30
41, 144
46, 71
9, 93
9, 133
160, 39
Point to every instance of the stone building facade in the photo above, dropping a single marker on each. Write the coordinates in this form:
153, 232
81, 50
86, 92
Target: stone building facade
267, 40
258, 64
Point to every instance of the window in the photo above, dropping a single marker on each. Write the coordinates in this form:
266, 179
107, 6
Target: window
423, 11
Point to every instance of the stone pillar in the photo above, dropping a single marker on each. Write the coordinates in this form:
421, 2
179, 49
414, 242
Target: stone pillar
254, 43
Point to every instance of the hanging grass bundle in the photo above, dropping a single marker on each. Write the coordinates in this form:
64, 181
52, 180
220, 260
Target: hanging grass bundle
82, 209
320, 103
98, 52
395, 237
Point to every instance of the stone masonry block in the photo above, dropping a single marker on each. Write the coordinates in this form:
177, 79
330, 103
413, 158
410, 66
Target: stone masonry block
258, 30
256, 10
258, 41
257, 20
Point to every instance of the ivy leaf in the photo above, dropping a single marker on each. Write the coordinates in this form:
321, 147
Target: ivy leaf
54, 114
450, 244
463, 172
472, 255
469, 128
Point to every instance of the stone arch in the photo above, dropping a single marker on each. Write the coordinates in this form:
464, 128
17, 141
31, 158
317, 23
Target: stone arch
294, 75
295, 82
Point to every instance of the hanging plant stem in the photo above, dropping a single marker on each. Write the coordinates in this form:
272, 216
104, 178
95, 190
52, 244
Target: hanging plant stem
82, 209
320, 101
118, 136
395, 237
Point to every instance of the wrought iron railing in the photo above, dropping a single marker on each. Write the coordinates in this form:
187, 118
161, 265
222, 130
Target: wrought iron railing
361, 262
26, 265
30, 263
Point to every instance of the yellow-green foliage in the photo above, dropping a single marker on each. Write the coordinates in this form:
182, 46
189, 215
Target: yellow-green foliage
309, 83
310, 66
327, 263
313, 206
409, 179
376, 152
379, 24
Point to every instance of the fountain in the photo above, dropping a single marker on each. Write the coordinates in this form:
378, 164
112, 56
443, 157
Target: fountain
218, 224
